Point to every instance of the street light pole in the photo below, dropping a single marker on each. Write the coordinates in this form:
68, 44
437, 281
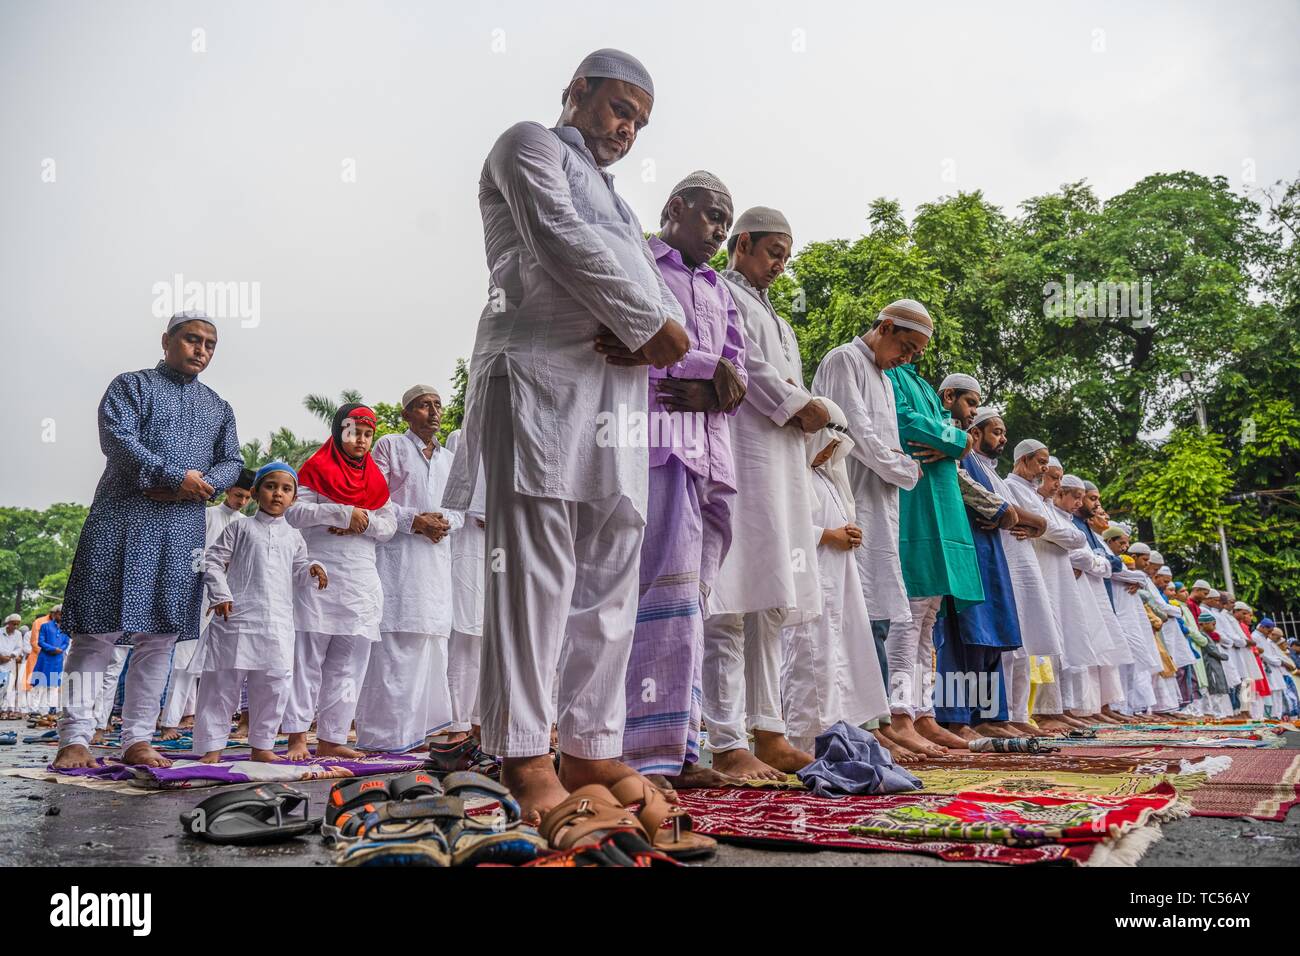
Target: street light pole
1223, 538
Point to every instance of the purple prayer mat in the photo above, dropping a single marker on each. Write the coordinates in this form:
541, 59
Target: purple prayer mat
186, 774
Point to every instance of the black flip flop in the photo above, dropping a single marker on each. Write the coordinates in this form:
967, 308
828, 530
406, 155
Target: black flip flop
250, 817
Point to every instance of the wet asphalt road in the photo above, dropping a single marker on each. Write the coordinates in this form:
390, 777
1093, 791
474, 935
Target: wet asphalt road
48, 825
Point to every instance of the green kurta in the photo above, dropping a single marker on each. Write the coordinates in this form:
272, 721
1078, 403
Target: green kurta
934, 536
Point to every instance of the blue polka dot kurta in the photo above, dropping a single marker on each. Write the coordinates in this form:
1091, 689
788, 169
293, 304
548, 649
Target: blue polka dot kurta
138, 567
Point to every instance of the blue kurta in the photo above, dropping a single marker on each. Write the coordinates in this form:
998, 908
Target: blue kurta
138, 565
1095, 543
48, 665
971, 642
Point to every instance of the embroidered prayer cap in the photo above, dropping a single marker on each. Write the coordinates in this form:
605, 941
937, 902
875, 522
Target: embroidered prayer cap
13, 619
700, 179
1165, 571
1158, 559
908, 314
273, 466
983, 414
1114, 531
1027, 446
415, 391
1071, 481
1054, 462
762, 219
1089, 486
1205, 617
1201, 583
1214, 594
1137, 547
1241, 606
965, 383
190, 315
615, 65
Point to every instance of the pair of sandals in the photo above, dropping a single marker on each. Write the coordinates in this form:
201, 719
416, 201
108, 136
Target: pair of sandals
251, 816
463, 755
9, 738
632, 820
415, 820
12, 715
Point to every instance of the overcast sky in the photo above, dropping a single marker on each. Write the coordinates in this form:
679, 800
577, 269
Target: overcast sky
328, 155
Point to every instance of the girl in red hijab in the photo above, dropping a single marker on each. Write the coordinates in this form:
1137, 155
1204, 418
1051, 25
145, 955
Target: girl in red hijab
343, 511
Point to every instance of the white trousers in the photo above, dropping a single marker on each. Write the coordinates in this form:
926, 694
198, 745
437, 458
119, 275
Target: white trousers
1112, 685
1165, 690
268, 695
565, 598
328, 671
1015, 677
14, 697
89, 657
741, 677
463, 654
108, 687
182, 688
1081, 691
406, 673
910, 649
43, 697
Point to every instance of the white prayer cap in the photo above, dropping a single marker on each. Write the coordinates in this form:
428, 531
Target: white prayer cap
615, 65
1089, 486
700, 179
1201, 583
1241, 606
415, 391
13, 619
762, 219
1214, 594
963, 382
191, 315
908, 314
983, 414
1114, 531
1157, 559
1072, 481
1137, 547
1054, 462
1165, 570
1027, 446
57, 607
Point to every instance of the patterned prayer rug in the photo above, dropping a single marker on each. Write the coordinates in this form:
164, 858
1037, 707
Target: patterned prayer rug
1058, 783
796, 819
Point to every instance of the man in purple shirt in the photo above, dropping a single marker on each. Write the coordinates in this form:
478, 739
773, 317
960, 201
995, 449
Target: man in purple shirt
691, 487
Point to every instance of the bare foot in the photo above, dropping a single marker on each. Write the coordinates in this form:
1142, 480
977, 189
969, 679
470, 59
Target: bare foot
326, 749
964, 732
212, 756
241, 729
187, 723
169, 733
777, 752
1054, 724
576, 772
263, 756
929, 728
97, 739
995, 728
742, 764
1075, 722
456, 736
902, 731
1028, 730
142, 754
298, 748
693, 776
533, 782
898, 752
73, 756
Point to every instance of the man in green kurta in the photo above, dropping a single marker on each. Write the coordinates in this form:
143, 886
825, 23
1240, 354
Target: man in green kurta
935, 544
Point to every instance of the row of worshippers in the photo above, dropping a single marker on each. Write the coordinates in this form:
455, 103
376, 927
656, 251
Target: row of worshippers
31, 664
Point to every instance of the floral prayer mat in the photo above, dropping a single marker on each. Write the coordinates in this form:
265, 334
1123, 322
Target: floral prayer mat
796, 819
190, 774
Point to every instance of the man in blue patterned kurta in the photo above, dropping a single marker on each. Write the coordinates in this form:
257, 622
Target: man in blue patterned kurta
171, 445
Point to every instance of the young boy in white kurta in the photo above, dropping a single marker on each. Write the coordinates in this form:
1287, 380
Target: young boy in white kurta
343, 511
830, 671
250, 572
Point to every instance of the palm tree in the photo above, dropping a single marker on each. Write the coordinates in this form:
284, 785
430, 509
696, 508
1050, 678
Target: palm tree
324, 407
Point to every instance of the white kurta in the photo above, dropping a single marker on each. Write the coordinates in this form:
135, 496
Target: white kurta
1108, 640
1135, 624
353, 604
773, 558
1235, 642
849, 376
415, 572
467, 557
830, 670
1180, 651
256, 565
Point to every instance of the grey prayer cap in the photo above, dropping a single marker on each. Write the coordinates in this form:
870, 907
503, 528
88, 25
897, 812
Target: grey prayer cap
180, 318
615, 65
1137, 547
762, 219
1071, 481
415, 391
1027, 446
963, 382
984, 414
700, 179
1054, 462
1089, 486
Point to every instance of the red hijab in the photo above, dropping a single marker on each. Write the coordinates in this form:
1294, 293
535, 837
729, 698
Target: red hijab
331, 473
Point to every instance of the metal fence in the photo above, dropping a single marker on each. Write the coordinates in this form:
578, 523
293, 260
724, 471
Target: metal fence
1289, 621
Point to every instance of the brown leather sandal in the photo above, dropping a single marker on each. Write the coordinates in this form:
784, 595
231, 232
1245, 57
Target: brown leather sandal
668, 824
585, 817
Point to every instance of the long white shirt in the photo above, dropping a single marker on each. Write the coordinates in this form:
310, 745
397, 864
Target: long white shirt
1134, 622
773, 558
256, 565
215, 520
1052, 548
1231, 637
1108, 636
468, 546
13, 645
566, 255
1180, 651
849, 376
353, 604
415, 572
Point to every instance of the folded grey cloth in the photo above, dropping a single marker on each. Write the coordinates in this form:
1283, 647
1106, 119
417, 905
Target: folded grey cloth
851, 760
